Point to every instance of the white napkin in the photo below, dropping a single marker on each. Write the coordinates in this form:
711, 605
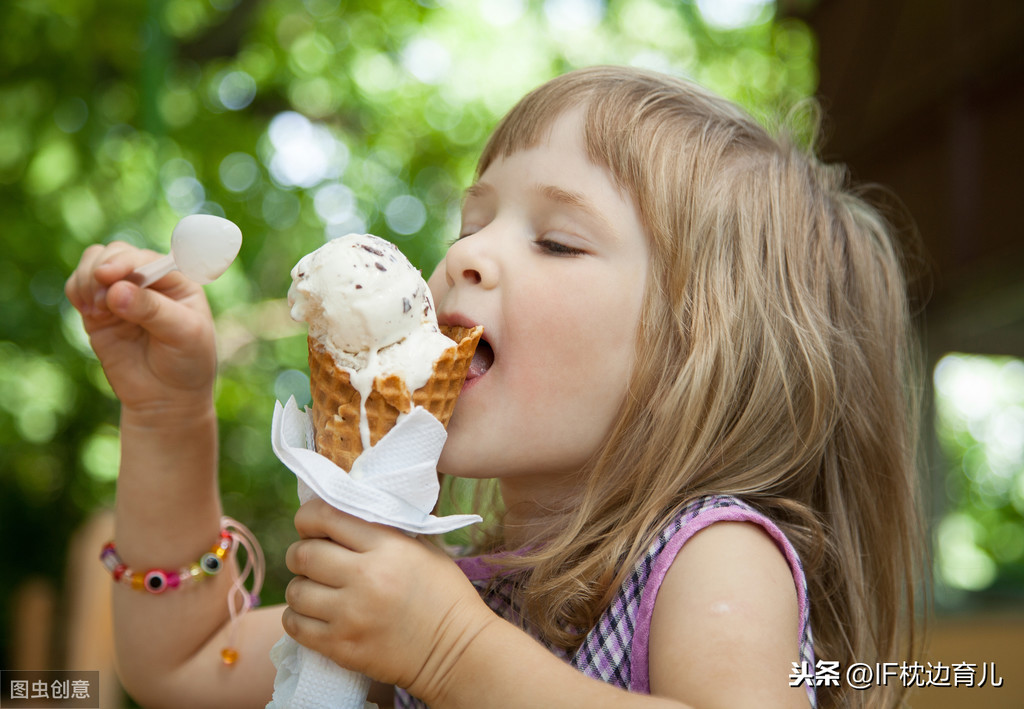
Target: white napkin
308, 680
394, 483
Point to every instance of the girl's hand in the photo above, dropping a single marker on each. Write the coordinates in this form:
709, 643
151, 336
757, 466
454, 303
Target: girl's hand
156, 344
379, 602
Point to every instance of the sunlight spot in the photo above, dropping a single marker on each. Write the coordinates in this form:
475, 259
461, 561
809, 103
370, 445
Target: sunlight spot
735, 14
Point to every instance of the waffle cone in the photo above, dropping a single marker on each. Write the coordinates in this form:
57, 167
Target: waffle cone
336, 402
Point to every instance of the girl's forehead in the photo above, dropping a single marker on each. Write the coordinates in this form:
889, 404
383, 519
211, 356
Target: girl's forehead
527, 132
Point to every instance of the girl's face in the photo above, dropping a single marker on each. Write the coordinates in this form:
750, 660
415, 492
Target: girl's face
552, 261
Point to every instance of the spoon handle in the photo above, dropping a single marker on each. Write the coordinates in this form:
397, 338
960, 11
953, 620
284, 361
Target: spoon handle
149, 273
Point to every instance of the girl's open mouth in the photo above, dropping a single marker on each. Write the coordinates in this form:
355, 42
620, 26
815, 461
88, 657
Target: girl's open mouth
483, 358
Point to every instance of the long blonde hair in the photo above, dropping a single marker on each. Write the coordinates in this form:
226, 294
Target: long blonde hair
775, 362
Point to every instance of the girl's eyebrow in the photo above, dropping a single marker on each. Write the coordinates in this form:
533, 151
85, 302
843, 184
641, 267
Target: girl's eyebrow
554, 194
577, 201
477, 189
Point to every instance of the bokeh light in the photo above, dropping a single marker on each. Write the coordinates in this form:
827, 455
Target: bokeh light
734, 14
979, 403
304, 153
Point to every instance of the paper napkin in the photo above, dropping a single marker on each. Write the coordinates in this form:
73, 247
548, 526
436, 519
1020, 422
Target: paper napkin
394, 483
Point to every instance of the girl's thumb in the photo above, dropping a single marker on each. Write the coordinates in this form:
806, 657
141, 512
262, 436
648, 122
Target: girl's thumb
147, 309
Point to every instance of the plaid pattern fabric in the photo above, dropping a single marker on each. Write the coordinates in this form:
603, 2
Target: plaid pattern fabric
606, 652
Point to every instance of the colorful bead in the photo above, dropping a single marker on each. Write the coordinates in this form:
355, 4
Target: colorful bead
211, 563
195, 571
229, 655
119, 571
137, 581
156, 581
173, 580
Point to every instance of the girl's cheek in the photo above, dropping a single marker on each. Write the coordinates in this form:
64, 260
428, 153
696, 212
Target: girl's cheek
437, 283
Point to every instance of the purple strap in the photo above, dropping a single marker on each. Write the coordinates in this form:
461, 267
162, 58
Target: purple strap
640, 679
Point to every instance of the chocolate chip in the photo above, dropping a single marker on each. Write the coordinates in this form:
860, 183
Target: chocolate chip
358, 286
380, 266
375, 252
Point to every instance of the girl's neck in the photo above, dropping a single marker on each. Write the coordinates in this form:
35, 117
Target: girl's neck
532, 515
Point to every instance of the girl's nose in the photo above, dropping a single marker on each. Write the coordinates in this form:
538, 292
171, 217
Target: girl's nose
468, 261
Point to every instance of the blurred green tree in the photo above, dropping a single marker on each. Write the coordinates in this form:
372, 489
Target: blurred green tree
979, 542
299, 120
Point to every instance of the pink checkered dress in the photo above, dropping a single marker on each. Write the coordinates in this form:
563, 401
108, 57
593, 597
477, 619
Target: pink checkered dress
616, 649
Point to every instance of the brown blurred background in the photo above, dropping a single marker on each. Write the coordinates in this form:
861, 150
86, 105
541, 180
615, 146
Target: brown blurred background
926, 97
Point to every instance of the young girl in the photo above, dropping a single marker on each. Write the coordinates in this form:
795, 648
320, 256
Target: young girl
694, 395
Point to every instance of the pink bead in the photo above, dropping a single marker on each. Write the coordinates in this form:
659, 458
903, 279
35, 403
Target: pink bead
155, 581
173, 580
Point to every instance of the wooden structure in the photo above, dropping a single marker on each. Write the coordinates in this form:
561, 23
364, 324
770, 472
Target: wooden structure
926, 97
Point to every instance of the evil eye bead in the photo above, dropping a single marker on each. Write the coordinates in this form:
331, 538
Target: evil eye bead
156, 581
211, 563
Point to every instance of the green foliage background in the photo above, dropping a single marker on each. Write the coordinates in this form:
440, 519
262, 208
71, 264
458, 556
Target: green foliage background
118, 117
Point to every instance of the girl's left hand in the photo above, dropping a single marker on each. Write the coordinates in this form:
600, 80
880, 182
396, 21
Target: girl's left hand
379, 602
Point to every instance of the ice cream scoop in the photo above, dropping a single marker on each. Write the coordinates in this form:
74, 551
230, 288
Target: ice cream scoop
369, 307
359, 292
202, 247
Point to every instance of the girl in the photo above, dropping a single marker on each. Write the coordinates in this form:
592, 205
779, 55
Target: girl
695, 396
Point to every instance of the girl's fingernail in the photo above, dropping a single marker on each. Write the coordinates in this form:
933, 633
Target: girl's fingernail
123, 299
100, 299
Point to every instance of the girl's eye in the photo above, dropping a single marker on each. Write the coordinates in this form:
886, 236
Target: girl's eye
557, 248
463, 233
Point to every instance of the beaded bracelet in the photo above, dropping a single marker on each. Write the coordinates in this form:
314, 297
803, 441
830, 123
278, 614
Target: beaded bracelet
159, 580
232, 535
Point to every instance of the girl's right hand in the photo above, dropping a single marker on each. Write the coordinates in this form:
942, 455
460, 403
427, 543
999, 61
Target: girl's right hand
156, 344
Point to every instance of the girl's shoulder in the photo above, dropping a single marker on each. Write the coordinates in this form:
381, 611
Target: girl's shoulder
701, 514
617, 649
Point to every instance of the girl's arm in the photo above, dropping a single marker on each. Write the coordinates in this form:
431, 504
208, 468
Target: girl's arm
723, 635
157, 350
726, 622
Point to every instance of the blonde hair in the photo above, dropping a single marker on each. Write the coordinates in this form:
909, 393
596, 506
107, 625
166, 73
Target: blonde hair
775, 362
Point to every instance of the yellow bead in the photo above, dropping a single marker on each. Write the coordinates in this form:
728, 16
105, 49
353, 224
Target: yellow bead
195, 571
221, 552
137, 581
229, 655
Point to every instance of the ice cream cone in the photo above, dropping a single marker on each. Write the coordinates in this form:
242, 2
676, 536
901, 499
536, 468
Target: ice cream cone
336, 404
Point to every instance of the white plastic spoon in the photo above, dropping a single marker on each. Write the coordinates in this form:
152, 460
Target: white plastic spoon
202, 247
